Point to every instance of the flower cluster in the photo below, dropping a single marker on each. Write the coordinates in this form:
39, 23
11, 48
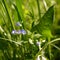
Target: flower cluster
19, 32
22, 31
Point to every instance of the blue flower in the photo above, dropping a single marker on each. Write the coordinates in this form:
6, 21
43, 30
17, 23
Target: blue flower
23, 32
18, 24
14, 32
18, 32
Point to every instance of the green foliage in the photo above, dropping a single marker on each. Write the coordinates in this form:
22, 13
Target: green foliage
45, 24
20, 10
26, 32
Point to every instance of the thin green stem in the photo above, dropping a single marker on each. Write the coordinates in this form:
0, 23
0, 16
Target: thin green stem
49, 49
38, 5
44, 47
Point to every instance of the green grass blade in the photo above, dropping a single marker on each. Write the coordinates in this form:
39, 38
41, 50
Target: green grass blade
58, 48
19, 17
38, 5
8, 13
19, 7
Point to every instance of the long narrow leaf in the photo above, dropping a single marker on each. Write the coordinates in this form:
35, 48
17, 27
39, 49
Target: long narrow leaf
8, 14
19, 7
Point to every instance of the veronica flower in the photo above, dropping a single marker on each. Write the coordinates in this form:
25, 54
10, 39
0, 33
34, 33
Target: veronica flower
23, 32
19, 32
14, 32
18, 24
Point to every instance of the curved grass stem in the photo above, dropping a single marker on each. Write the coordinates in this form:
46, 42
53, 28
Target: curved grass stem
44, 47
49, 49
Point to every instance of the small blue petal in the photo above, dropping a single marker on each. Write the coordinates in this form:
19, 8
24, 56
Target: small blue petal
14, 32
18, 24
18, 32
23, 31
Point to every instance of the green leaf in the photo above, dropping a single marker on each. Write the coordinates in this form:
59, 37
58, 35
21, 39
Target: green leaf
18, 15
8, 13
19, 7
45, 24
